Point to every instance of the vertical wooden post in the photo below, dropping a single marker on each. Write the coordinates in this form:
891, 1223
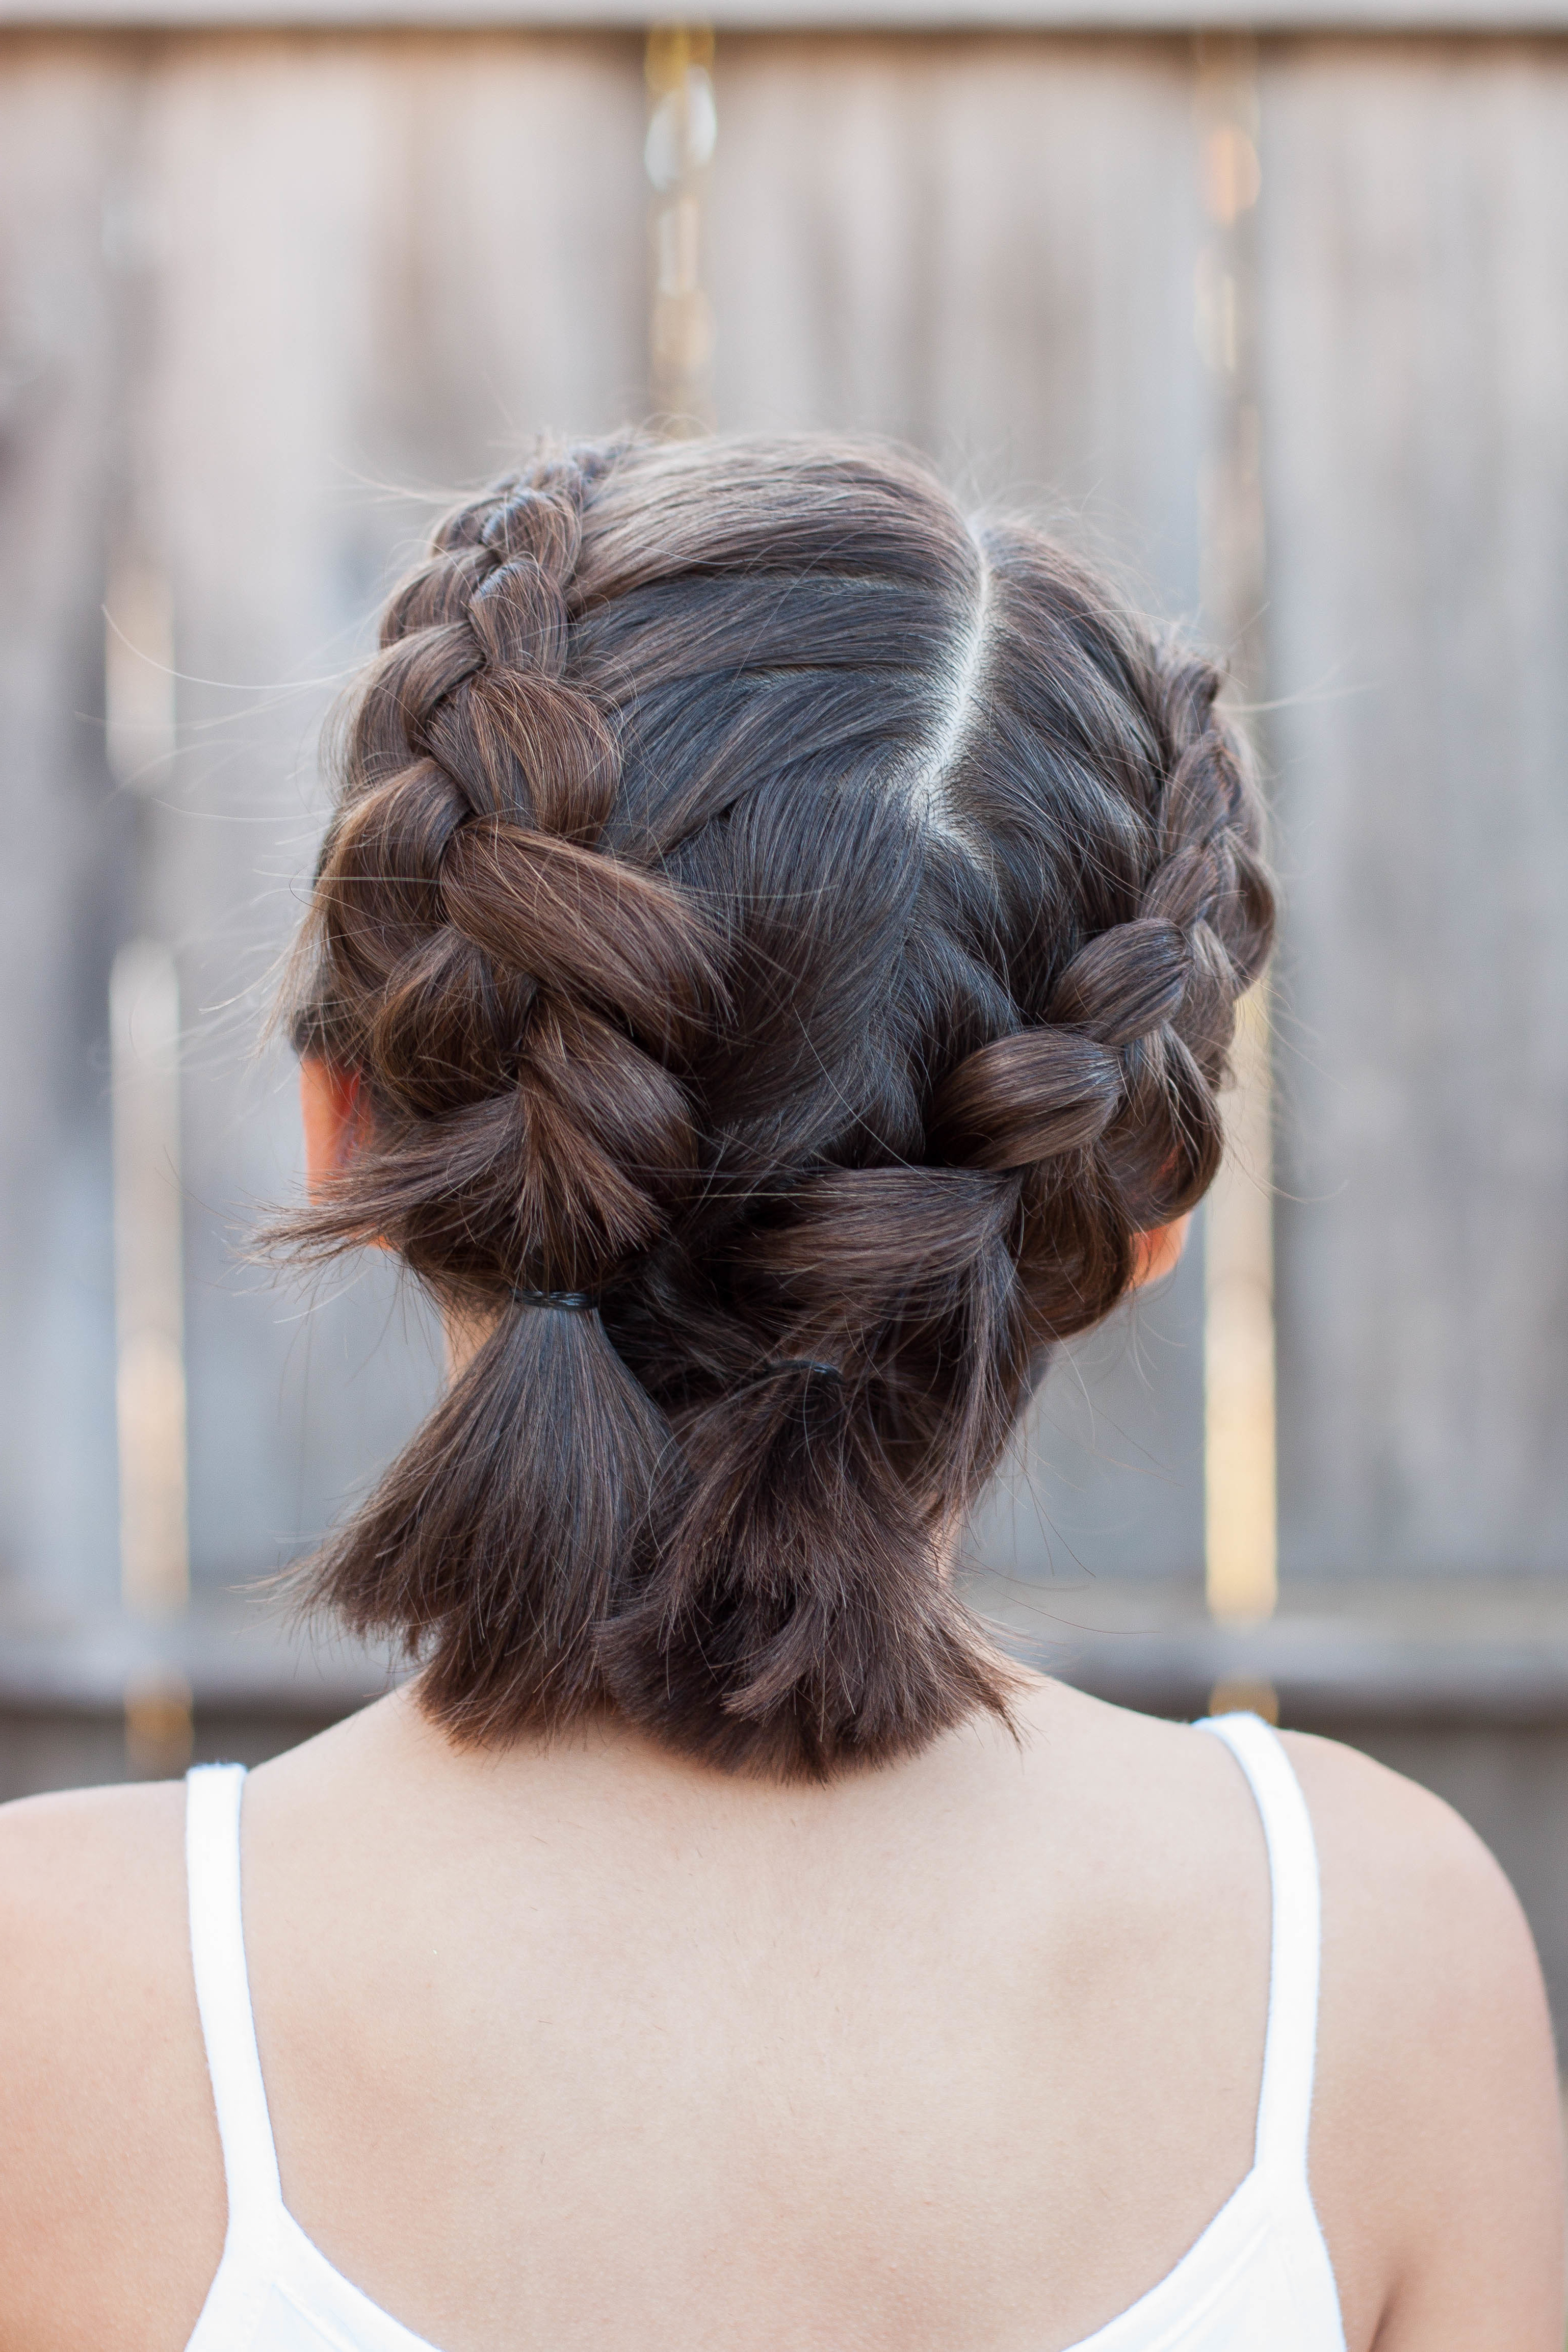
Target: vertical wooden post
150, 1370
149, 1235
141, 716
1241, 1571
682, 126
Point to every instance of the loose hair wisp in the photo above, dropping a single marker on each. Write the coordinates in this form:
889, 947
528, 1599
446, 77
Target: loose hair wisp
787, 939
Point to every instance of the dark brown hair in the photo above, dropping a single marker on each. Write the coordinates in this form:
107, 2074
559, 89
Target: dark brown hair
787, 938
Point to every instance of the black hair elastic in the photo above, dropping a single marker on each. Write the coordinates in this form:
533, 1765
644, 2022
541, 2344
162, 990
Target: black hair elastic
576, 1302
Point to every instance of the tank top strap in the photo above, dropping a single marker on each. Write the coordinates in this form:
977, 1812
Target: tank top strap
213, 1795
1290, 2054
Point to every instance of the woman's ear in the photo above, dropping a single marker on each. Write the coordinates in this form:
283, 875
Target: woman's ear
1156, 1253
330, 1106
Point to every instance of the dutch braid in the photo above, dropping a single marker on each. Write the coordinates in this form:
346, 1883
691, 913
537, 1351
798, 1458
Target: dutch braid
517, 1004
789, 946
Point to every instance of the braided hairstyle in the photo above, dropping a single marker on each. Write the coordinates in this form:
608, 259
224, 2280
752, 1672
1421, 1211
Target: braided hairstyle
786, 939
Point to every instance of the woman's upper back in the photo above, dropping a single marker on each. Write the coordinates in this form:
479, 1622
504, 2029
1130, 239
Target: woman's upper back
1257, 2272
585, 2045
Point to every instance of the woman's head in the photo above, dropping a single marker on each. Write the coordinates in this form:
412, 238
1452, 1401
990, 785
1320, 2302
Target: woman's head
783, 942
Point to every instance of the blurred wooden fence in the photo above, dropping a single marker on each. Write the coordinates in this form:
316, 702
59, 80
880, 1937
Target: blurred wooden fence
262, 291
257, 288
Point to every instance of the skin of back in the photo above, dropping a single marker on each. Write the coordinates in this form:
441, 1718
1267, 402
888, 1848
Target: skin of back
960, 2053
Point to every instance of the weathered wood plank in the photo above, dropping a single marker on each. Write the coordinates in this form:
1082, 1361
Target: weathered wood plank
1414, 252
61, 121
985, 246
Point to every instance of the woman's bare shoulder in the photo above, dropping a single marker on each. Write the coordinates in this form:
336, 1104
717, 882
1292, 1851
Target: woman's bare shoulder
106, 2123
1415, 1905
1435, 2159
107, 1820
85, 1875
1436, 2125
1419, 1914
92, 1912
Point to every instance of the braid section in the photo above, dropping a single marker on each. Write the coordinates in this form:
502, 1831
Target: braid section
1106, 1105
520, 1007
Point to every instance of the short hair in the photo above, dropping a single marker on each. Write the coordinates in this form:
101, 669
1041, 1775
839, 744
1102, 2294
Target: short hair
788, 936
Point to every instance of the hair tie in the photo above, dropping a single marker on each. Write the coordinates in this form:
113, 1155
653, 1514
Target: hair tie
575, 1302
799, 1364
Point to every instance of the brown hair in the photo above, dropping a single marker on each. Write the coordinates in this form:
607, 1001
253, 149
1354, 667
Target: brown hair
787, 938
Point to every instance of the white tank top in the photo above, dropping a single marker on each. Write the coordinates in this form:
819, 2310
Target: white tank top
1258, 2276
